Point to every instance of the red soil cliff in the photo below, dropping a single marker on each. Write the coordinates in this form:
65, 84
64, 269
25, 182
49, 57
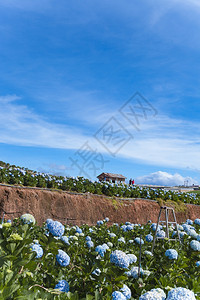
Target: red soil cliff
70, 208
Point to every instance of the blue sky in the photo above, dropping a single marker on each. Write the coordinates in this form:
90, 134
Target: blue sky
68, 68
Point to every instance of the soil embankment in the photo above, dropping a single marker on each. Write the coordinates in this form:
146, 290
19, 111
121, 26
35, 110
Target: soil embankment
72, 208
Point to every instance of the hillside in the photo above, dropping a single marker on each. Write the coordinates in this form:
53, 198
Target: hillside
14, 175
74, 208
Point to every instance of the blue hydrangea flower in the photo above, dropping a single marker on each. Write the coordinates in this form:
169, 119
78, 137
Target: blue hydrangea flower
96, 272
107, 219
65, 239
131, 241
91, 230
189, 222
55, 227
118, 296
192, 233
99, 222
160, 233
126, 291
78, 229
88, 238
198, 263
171, 254
63, 258
28, 219
153, 226
137, 241
197, 221
62, 286
180, 294
195, 245
181, 234
132, 258
9, 221
120, 259
154, 294
129, 227
122, 239
124, 228
90, 244
149, 237
38, 249
134, 272
101, 249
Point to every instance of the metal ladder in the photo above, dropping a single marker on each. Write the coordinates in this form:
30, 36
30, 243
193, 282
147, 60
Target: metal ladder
166, 210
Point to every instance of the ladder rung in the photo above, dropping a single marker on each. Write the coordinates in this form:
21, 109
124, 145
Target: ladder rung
168, 222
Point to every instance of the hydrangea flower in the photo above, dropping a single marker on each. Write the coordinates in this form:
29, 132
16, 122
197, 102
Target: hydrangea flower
118, 296
100, 222
126, 291
198, 263
62, 286
148, 253
154, 294
112, 235
107, 219
88, 238
195, 245
63, 258
197, 221
28, 219
55, 227
101, 249
149, 237
132, 258
90, 244
171, 254
96, 272
134, 272
120, 259
137, 241
153, 226
192, 233
160, 233
110, 245
78, 229
122, 239
129, 227
181, 234
189, 222
124, 228
65, 239
180, 293
38, 249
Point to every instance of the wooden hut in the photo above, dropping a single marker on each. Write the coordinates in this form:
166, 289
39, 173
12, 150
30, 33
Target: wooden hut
111, 177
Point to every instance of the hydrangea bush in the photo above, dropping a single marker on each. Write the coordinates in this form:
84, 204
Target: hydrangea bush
57, 261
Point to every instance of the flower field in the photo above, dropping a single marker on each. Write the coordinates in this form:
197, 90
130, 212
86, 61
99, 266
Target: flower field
56, 261
24, 177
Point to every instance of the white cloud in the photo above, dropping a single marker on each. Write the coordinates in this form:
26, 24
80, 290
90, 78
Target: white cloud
162, 141
164, 178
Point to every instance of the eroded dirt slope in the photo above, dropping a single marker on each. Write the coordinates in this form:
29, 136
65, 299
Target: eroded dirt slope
81, 208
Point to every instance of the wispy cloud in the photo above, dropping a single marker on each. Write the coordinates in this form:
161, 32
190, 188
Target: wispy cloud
162, 141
